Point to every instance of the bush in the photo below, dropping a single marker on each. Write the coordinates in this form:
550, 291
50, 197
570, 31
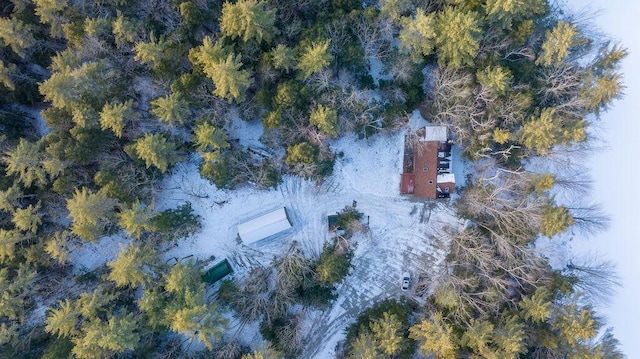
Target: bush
180, 221
332, 267
401, 309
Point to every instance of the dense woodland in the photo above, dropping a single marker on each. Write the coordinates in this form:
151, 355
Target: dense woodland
130, 88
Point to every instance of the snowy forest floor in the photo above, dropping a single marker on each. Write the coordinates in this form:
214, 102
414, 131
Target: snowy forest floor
402, 236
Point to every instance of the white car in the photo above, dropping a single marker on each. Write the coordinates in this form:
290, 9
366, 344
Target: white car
406, 278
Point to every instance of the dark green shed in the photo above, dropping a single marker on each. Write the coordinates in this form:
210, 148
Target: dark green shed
217, 272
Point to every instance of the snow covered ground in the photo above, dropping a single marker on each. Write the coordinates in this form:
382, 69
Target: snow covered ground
402, 229
402, 236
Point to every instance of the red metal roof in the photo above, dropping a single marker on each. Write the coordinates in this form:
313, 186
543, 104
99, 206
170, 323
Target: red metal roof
407, 183
425, 169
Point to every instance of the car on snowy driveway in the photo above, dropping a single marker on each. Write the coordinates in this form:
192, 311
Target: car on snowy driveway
406, 278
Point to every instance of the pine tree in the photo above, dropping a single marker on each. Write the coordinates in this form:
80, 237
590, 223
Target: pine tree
27, 219
62, 321
265, 353
248, 19
574, 324
417, 35
364, 347
555, 219
478, 336
223, 68
49, 12
30, 164
541, 133
136, 219
537, 307
125, 31
496, 79
198, 321
130, 268
91, 304
434, 337
155, 150
153, 53
57, 246
282, 57
326, 119
186, 311
10, 198
387, 334
207, 137
15, 290
557, 44
6, 72
91, 213
457, 37
509, 337
17, 35
100, 339
301, 153
505, 13
314, 57
113, 115
171, 109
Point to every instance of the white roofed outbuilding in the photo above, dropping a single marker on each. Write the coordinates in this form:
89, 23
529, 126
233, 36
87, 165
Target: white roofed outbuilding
265, 226
434, 133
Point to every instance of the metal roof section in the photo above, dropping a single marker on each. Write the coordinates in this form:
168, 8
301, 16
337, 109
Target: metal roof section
435, 133
446, 178
264, 226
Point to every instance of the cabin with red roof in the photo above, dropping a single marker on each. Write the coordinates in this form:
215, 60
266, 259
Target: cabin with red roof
427, 166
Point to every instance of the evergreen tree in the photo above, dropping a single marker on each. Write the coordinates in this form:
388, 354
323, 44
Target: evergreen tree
417, 35
91, 213
186, 311
113, 115
505, 13
10, 198
265, 353
57, 246
155, 150
537, 307
50, 12
17, 35
102, 339
248, 19
207, 137
92, 304
555, 219
326, 120
125, 31
27, 219
457, 37
130, 268
171, 109
364, 347
478, 336
541, 133
387, 334
31, 165
223, 68
301, 153
509, 337
557, 44
6, 72
282, 57
136, 219
314, 57
434, 337
62, 321
153, 53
